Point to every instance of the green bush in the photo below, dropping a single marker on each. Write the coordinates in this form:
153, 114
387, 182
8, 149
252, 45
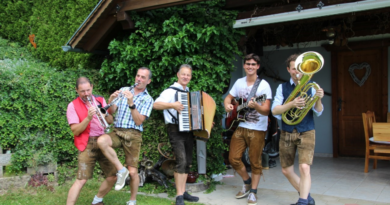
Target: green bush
34, 99
53, 23
35, 95
199, 34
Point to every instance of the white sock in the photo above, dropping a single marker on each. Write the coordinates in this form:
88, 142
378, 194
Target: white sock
122, 170
97, 200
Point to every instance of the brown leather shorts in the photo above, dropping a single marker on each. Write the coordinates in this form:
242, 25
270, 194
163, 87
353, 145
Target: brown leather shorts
241, 139
130, 140
290, 142
87, 160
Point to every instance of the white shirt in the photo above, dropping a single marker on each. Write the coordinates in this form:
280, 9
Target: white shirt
279, 100
168, 96
253, 119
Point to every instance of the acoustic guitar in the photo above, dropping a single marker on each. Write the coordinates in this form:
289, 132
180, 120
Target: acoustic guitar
240, 109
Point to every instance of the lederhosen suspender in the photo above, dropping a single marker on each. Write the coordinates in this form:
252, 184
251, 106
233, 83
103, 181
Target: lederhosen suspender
174, 119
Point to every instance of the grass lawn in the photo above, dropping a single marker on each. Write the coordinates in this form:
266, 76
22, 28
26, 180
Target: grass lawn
42, 195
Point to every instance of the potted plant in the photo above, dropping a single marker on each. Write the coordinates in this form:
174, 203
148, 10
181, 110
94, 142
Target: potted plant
43, 162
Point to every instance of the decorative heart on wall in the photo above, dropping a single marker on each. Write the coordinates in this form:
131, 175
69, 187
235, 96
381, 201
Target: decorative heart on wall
354, 66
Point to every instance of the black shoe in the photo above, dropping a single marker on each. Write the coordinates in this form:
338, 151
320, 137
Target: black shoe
272, 163
312, 202
190, 198
180, 200
298, 203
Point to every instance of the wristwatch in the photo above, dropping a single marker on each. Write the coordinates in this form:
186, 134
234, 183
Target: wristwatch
132, 107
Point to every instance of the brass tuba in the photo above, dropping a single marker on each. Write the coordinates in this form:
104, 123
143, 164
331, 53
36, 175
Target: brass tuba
307, 63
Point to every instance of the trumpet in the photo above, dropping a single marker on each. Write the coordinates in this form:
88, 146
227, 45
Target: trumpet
120, 97
99, 115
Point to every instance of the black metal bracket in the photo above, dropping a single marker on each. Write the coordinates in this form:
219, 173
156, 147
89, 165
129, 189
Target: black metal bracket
320, 5
299, 8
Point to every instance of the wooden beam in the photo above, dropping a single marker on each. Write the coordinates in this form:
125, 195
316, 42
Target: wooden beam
104, 28
142, 5
89, 23
125, 20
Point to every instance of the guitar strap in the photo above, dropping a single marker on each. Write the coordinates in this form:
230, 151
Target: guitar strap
254, 89
174, 119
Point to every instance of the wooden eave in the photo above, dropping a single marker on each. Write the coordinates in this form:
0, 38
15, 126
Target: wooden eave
109, 17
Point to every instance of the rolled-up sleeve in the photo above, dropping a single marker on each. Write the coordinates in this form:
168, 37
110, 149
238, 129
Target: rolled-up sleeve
313, 91
71, 114
278, 100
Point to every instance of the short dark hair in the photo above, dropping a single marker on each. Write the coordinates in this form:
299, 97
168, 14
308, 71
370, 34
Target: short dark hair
145, 68
293, 57
82, 80
252, 56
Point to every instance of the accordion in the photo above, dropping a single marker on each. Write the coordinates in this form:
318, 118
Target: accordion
198, 113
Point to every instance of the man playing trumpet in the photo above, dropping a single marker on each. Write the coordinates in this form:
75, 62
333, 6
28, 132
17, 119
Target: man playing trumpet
300, 136
86, 128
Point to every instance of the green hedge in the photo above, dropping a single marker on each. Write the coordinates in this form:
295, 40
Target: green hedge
34, 99
200, 34
53, 23
35, 94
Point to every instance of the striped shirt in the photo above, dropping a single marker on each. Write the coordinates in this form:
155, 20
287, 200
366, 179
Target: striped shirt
143, 103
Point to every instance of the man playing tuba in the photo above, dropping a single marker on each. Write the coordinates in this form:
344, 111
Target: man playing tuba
299, 136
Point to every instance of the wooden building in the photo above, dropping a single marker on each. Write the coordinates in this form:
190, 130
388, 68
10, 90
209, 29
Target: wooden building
352, 35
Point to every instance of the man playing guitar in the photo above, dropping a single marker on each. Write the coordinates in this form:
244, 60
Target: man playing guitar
251, 132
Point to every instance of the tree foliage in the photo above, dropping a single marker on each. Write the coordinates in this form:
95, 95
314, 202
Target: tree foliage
53, 23
199, 34
34, 99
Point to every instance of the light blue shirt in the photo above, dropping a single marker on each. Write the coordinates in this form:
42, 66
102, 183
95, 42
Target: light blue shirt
278, 100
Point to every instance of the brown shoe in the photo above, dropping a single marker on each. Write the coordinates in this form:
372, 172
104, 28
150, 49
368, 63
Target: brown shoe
252, 199
244, 191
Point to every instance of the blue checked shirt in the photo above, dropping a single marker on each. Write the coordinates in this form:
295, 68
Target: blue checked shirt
143, 103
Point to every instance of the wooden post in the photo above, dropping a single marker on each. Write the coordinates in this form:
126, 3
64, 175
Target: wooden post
5, 159
1, 166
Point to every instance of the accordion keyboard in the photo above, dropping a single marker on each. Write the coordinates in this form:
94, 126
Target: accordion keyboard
184, 116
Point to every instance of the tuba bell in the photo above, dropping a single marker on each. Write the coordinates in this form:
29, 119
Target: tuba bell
307, 63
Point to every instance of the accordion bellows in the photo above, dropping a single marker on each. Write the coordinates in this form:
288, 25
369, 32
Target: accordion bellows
198, 113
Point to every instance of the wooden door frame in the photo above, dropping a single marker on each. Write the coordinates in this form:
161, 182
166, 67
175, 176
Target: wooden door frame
362, 45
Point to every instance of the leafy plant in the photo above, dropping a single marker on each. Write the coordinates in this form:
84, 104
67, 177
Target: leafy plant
66, 171
155, 188
53, 23
34, 99
207, 180
40, 159
37, 180
51, 177
199, 34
